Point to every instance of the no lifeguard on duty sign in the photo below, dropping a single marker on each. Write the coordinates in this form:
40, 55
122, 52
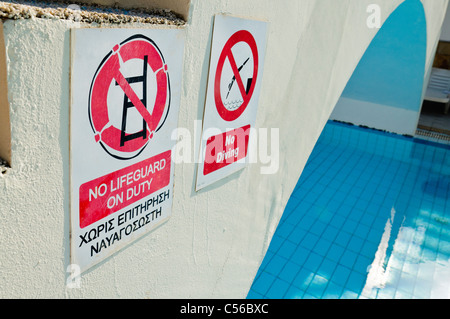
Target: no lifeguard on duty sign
125, 93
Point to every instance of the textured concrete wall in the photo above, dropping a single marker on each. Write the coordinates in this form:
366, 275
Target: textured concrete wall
207, 248
180, 7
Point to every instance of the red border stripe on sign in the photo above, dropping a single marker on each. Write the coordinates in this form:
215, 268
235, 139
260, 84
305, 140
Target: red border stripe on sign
226, 148
240, 36
112, 192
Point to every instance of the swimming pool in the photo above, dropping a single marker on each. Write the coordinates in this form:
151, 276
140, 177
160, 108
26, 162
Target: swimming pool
368, 218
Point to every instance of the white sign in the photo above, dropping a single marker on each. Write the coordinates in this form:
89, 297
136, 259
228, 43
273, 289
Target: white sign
235, 76
125, 93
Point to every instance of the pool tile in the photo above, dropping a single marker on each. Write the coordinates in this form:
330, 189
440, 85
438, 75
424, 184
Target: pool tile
276, 243
294, 293
310, 240
317, 286
266, 259
289, 272
275, 265
330, 233
322, 247
287, 249
334, 223
285, 229
362, 264
337, 221
362, 230
332, 291
326, 269
313, 262
348, 258
356, 282
343, 238
341, 275
262, 283
349, 226
278, 289
335, 252
355, 244
317, 228
297, 235
367, 219
300, 255
303, 279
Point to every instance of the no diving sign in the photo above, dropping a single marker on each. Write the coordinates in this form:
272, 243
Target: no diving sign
235, 74
231, 107
125, 92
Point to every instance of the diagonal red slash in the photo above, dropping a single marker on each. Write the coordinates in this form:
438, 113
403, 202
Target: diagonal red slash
123, 83
239, 36
237, 75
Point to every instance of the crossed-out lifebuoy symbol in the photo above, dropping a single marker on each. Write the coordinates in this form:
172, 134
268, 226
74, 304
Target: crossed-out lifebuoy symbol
114, 140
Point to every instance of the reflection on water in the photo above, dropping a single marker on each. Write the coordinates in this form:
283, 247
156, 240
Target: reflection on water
378, 272
369, 218
413, 268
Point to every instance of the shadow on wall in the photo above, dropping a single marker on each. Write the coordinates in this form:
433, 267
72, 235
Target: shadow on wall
385, 90
5, 126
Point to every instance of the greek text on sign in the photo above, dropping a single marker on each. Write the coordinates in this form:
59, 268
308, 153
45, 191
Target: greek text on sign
125, 91
234, 82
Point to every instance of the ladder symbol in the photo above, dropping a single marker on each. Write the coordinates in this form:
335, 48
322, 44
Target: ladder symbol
124, 137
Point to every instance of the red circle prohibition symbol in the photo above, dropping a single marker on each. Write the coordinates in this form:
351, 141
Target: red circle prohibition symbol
109, 136
239, 36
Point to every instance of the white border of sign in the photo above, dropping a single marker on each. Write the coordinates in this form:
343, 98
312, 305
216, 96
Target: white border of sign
94, 241
231, 32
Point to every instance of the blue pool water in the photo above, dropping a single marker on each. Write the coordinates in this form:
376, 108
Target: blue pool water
369, 218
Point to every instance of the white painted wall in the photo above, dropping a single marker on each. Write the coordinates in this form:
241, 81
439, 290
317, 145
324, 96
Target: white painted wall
216, 238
